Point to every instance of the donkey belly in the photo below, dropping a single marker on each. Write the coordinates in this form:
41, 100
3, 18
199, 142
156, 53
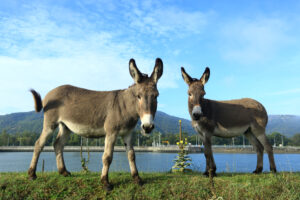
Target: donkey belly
85, 130
221, 131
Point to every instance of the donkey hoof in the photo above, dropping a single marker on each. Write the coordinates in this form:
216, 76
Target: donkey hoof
31, 174
256, 172
206, 173
138, 181
273, 170
108, 187
32, 177
66, 173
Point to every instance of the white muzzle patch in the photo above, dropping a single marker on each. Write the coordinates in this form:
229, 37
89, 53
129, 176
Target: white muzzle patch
197, 110
147, 121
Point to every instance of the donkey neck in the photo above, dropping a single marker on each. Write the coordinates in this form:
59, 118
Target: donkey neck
206, 108
206, 122
127, 103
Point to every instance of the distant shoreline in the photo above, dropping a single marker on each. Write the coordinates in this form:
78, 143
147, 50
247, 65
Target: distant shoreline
161, 149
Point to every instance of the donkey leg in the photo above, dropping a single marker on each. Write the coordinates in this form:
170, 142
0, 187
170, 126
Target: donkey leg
59, 143
213, 164
259, 151
210, 162
269, 149
107, 159
38, 147
131, 158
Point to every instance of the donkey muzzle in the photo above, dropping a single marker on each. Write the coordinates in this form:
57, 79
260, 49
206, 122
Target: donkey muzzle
196, 113
148, 128
147, 123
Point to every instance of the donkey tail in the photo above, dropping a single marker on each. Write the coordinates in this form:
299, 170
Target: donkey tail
38, 105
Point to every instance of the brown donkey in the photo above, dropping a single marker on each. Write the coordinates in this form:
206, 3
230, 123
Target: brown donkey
95, 114
227, 119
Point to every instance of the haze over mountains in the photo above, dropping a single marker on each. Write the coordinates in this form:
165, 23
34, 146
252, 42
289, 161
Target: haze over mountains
164, 123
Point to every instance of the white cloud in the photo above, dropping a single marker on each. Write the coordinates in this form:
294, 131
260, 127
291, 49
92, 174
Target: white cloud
41, 51
167, 21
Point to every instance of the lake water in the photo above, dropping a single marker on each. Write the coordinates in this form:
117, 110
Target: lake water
147, 162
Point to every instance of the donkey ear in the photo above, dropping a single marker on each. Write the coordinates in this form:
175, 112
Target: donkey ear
186, 77
134, 71
204, 78
158, 70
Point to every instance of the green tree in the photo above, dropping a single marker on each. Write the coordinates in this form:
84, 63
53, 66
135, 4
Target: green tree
276, 138
295, 140
4, 137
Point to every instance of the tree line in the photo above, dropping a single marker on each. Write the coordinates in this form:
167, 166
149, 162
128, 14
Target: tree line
28, 139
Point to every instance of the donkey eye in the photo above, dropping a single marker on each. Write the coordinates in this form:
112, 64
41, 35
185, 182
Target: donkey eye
190, 94
139, 97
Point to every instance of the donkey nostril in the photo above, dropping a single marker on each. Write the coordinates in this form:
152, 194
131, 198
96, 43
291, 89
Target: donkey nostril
148, 127
196, 115
151, 126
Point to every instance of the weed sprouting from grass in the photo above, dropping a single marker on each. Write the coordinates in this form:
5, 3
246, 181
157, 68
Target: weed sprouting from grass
84, 162
289, 164
182, 161
227, 167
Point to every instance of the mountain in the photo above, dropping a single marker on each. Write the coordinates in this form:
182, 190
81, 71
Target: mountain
164, 123
285, 124
33, 122
20, 122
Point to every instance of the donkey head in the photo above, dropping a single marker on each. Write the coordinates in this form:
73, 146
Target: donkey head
196, 92
146, 93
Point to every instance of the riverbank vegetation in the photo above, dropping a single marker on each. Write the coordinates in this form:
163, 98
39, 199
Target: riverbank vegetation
192, 185
29, 138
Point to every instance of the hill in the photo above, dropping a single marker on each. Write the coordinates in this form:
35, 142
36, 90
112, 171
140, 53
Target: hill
20, 122
33, 122
164, 123
286, 124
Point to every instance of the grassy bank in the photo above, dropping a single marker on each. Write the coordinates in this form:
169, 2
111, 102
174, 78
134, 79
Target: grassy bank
157, 186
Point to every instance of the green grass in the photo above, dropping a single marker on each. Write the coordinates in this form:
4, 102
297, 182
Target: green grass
50, 185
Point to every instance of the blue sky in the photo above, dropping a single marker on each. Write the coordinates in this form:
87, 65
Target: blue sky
251, 47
